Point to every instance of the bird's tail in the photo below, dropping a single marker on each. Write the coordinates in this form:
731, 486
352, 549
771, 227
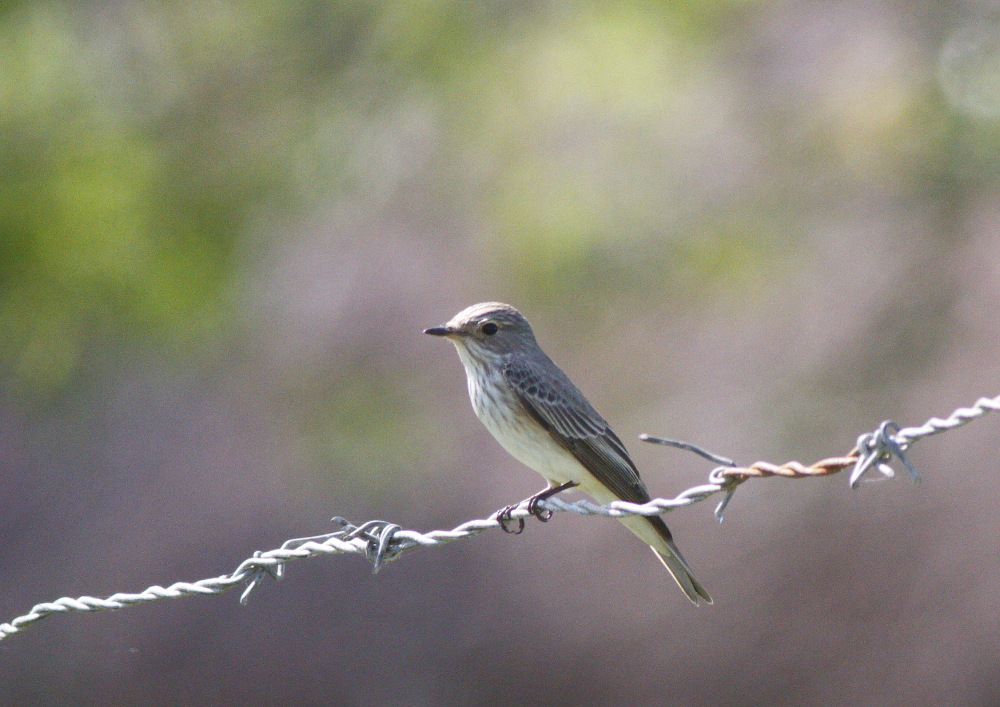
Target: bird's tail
681, 573
654, 531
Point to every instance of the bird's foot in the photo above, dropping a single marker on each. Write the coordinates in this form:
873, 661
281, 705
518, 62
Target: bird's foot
503, 518
542, 514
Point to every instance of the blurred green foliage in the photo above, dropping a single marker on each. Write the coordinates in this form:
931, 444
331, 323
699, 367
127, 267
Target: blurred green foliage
113, 222
136, 142
600, 147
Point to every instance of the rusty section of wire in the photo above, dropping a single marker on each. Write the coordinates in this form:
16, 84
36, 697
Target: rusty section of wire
790, 470
381, 541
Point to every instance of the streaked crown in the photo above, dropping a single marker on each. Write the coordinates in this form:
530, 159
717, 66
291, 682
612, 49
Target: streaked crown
492, 327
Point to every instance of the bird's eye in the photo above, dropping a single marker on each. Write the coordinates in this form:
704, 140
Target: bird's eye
489, 328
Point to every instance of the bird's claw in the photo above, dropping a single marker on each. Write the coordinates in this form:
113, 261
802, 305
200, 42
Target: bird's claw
534, 508
504, 517
542, 514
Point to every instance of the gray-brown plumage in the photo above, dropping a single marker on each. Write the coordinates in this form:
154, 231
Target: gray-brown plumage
533, 409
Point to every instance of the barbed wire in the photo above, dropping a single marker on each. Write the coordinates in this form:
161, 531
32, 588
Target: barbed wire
381, 541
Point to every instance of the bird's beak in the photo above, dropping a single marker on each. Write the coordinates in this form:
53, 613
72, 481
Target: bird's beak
439, 331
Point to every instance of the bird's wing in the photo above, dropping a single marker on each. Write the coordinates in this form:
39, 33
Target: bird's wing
554, 402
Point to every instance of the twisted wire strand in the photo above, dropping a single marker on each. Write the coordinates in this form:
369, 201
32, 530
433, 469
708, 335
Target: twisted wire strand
381, 541
962, 416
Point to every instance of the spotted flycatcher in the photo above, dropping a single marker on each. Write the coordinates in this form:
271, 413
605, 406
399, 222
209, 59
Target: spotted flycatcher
533, 409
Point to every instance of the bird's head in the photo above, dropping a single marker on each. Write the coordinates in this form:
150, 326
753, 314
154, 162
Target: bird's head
487, 329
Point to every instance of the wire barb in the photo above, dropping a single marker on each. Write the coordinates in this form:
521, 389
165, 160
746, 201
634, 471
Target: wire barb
876, 449
687, 446
379, 536
381, 541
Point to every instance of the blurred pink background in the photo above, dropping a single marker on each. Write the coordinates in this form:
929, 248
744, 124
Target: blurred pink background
760, 227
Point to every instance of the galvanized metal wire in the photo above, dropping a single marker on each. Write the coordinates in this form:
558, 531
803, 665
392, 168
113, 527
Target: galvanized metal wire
381, 541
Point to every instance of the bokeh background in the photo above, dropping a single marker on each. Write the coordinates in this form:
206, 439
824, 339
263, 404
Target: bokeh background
763, 227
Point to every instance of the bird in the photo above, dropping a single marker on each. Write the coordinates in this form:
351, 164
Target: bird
540, 417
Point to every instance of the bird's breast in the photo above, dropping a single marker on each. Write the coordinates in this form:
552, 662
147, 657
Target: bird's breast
499, 409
